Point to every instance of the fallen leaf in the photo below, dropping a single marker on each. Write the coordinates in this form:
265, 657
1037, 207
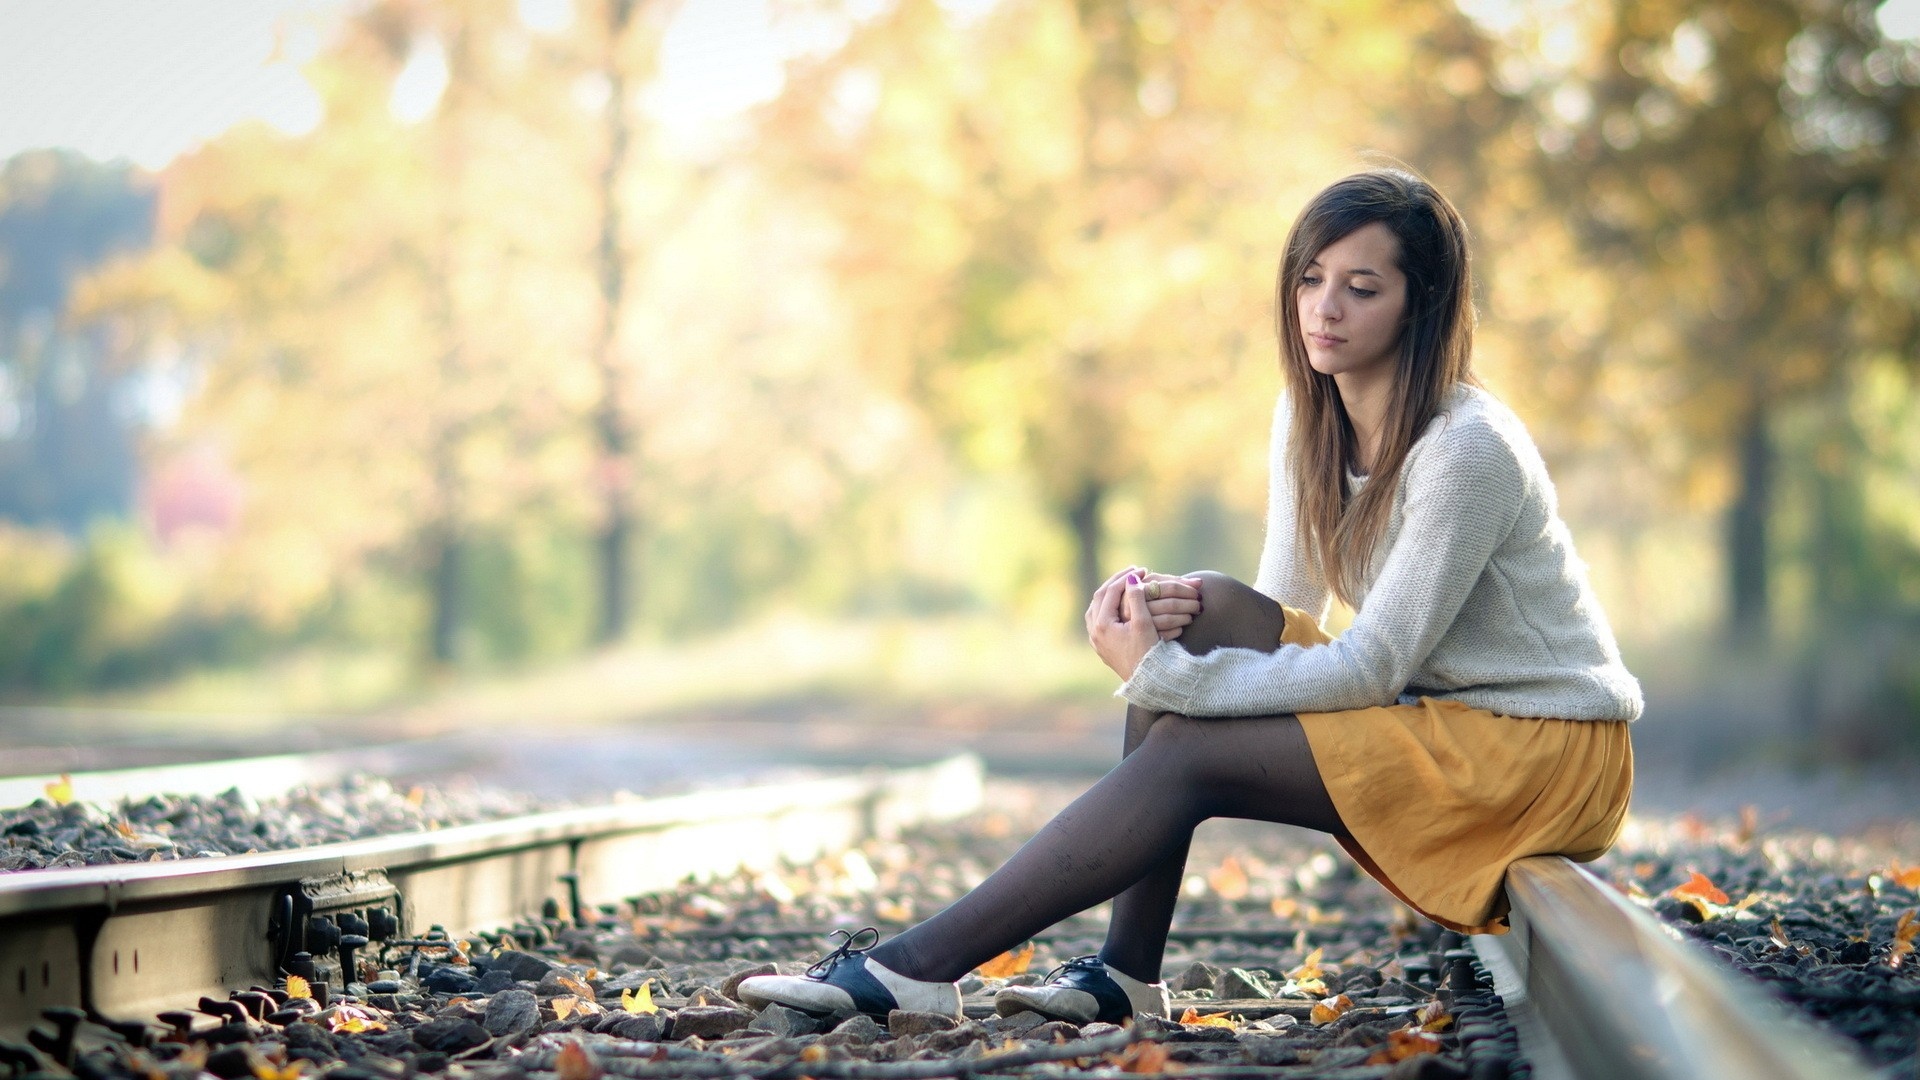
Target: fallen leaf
416, 795
267, 1070
575, 986
61, 790
1302, 988
124, 829
1906, 879
1404, 1044
355, 1025
639, 1001
1778, 935
576, 1062
899, 911
1310, 967
1008, 964
1326, 1012
297, 988
1144, 1059
1285, 907
1229, 880
1192, 1016
564, 1005
813, 1054
1698, 887
1434, 1016
1903, 934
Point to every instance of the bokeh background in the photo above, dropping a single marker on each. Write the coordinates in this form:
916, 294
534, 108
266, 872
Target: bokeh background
454, 362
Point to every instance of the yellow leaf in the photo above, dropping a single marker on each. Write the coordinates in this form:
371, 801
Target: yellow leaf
1303, 988
1404, 1044
1192, 1016
576, 1062
575, 986
1698, 887
267, 1070
639, 1001
1434, 1016
814, 1054
1326, 1012
1903, 934
563, 1006
1008, 964
1285, 907
124, 829
61, 790
1310, 967
1143, 1059
416, 795
297, 988
1229, 879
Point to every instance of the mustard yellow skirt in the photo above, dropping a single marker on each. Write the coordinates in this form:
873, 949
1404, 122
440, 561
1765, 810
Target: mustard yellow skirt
1439, 798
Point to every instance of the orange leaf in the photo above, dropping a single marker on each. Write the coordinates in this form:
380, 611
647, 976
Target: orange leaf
1229, 879
124, 829
578, 988
563, 1006
1192, 1016
1903, 934
576, 1062
1285, 907
1310, 966
1698, 887
1008, 964
297, 988
1906, 879
1143, 1058
1404, 1044
1326, 1012
1778, 935
267, 1070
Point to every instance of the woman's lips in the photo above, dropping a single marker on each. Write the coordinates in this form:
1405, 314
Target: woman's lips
1325, 341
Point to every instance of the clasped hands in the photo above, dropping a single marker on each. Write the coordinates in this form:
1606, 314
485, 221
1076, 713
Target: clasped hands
1135, 609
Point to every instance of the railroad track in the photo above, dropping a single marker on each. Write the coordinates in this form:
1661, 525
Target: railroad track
1595, 986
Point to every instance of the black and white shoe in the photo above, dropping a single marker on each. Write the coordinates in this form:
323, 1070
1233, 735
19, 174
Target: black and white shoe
1082, 991
848, 981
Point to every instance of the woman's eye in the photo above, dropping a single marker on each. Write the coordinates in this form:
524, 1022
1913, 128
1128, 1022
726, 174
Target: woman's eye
1364, 293
1309, 280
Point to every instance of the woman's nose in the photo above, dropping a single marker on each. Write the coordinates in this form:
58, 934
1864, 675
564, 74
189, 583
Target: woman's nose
1326, 306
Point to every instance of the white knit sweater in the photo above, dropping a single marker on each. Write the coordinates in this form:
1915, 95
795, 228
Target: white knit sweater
1475, 594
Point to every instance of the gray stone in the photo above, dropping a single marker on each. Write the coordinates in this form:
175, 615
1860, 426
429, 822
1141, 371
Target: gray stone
731, 988
857, 1030
632, 980
524, 967
777, 1019
1097, 1029
965, 1036
512, 1012
1270, 1049
1427, 1067
449, 1034
1235, 984
709, 1021
551, 986
1198, 976
1054, 1031
633, 955
972, 984
907, 1022
494, 981
707, 995
641, 1027
1018, 1024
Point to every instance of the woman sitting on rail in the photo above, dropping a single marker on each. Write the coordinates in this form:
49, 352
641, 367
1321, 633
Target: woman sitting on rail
1472, 715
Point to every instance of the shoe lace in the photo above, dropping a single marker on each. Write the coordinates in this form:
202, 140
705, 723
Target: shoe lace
845, 951
1089, 962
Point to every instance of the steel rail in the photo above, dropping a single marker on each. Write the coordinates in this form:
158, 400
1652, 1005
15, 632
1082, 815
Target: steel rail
125, 941
1599, 988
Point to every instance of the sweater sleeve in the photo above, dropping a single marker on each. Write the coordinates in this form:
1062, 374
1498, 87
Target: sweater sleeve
1462, 496
1284, 574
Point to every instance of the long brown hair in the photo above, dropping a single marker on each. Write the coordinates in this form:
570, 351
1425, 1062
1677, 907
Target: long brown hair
1436, 353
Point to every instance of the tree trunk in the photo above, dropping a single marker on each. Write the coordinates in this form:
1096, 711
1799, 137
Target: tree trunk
1083, 517
1748, 589
612, 422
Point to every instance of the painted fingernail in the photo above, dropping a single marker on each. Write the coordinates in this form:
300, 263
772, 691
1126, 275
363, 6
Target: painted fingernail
1133, 579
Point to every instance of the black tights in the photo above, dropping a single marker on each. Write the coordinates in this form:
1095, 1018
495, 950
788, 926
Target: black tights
1126, 839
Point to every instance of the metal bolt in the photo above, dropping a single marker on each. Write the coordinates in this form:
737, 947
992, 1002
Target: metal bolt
382, 924
66, 1019
231, 1012
137, 1034
180, 1021
348, 944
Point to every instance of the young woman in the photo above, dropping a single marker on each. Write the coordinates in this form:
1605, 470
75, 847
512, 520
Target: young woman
1473, 714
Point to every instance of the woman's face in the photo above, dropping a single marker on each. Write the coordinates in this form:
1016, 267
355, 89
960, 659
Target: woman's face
1351, 302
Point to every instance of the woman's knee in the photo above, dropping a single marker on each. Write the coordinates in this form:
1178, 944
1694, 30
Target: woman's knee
1232, 615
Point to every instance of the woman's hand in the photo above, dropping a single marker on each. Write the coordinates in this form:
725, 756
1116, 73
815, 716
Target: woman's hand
1119, 624
1171, 601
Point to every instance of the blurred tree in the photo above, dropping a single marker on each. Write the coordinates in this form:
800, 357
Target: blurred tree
1741, 175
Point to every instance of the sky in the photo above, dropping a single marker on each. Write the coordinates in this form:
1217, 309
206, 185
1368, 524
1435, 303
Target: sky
146, 80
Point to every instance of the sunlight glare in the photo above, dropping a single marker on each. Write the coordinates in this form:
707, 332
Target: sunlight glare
416, 93
1899, 20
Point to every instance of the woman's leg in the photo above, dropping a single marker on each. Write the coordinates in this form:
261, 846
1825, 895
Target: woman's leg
1136, 822
1233, 615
